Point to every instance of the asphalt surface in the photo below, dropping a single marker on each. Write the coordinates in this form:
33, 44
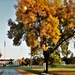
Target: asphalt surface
10, 72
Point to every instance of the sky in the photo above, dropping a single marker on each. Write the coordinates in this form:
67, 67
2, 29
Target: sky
8, 11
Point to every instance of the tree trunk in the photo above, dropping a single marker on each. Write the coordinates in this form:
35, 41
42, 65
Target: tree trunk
46, 57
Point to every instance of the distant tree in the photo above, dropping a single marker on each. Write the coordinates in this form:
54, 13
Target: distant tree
27, 60
38, 60
21, 62
64, 48
72, 60
72, 55
11, 61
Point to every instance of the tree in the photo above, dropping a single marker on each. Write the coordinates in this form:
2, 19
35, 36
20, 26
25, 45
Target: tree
55, 60
37, 60
43, 24
11, 61
27, 60
22, 61
39, 22
64, 48
0, 54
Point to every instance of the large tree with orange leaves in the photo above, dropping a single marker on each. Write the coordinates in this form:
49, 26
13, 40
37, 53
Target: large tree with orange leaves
40, 23
44, 24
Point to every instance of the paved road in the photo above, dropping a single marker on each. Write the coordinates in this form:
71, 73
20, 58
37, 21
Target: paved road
10, 72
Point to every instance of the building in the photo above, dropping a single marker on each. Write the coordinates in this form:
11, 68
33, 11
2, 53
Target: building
4, 61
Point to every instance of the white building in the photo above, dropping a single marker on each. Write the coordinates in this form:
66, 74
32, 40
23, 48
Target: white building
16, 63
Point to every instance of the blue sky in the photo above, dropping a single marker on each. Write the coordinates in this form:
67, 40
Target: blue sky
7, 11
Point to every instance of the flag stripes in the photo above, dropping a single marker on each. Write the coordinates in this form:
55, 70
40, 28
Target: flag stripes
4, 43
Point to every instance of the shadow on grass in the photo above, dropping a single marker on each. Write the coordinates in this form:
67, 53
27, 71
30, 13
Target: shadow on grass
61, 72
39, 72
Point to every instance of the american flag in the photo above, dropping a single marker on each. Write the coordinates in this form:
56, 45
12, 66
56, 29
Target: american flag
4, 43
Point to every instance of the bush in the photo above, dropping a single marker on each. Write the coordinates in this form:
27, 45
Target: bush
55, 60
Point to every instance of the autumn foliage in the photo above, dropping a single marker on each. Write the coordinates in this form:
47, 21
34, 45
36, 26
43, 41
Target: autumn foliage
43, 24
40, 20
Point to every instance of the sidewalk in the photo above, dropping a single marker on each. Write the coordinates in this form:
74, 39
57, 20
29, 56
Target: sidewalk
24, 72
1, 71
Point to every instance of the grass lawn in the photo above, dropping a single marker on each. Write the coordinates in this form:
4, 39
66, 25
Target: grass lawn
61, 70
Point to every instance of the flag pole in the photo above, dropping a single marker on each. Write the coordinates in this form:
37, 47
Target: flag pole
4, 51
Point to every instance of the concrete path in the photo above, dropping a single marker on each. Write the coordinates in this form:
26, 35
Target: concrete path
10, 72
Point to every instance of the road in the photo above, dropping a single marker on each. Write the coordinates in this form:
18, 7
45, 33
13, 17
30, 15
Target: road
10, 72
